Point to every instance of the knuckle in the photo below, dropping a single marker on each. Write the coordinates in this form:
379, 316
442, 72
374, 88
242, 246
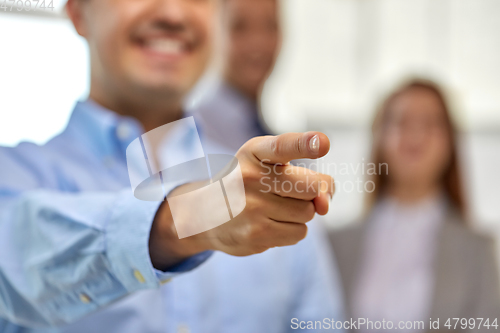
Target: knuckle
328, 179
259, 249
309, 211
300, 233
255, 203
257, 230
232, 240
251, 142
276, 146
303, 212
298, 146
312, 192
329, 182
249, 175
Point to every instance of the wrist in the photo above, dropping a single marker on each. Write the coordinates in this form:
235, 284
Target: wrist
165, 247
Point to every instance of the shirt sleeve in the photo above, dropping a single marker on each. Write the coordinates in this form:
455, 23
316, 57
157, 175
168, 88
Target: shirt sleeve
65, 255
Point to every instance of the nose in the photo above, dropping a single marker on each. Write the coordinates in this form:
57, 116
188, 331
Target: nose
172, 12
417, 133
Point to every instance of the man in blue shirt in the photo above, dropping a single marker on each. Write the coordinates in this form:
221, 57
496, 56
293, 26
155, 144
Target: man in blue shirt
75, 243
251, 38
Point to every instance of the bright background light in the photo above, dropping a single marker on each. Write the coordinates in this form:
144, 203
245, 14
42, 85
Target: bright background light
338, 57
44, 70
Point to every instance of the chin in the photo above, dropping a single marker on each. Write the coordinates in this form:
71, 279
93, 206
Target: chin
163, 84
256, 77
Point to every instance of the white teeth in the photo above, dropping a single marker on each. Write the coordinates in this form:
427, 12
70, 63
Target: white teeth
165, 46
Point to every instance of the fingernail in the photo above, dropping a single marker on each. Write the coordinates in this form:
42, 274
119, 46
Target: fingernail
314, 144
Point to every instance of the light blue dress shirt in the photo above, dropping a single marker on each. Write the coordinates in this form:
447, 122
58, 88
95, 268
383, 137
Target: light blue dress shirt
228, 117
74, 249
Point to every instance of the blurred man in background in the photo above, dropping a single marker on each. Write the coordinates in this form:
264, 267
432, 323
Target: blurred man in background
74, 240
227, 107
251, 41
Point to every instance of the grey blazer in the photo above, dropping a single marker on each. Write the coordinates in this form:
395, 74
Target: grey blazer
467, 283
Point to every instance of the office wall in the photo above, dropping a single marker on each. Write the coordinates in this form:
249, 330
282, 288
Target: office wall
44, 70
338, 57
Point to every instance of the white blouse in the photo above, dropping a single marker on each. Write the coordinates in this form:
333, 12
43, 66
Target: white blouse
396, 275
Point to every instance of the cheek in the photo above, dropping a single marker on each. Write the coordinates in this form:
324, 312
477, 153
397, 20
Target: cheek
203, 21
236, 59
111, 41
272, 45
110, 36
440, 153
238, 48
392, 142
390, 149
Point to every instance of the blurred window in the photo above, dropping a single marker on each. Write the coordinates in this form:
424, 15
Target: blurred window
44, 70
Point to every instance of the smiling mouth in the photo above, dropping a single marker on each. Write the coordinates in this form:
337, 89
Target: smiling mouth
166, 47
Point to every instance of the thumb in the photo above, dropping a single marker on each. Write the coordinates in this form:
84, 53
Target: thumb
284, 148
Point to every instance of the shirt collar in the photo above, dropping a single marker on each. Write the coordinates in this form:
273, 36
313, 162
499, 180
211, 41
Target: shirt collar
226, 90
250, 112
106, 132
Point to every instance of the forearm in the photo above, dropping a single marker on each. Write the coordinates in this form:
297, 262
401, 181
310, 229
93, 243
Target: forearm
63, 256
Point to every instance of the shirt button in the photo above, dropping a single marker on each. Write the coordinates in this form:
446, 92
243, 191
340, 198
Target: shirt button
85, 299
123, 131
183, 329
138, 276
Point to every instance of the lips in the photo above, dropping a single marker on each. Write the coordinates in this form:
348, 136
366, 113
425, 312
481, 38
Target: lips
166, 46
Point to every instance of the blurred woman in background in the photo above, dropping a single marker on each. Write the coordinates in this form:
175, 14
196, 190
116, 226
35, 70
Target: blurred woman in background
414, 257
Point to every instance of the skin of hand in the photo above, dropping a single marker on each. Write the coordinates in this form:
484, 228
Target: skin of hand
272, 217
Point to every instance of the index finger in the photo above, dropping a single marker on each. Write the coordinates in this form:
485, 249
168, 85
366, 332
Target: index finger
284, 148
